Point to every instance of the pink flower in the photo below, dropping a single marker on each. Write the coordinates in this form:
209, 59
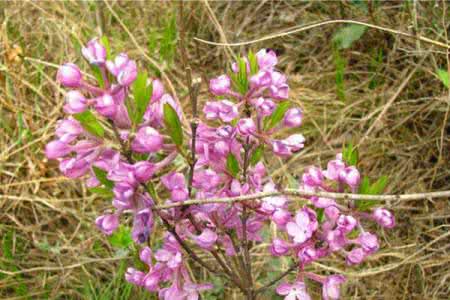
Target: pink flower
261, 79
105, 106
69, 75
206, 239
175, 182
304, 226
157, 90
57, 149
331, 287
147, 140
293, 118
346, 223
295, 291
107, 223
313, 176
94, 52
123, 68
279, 247
246, 127
267, 59
220, 86
226, 110
67, 130
75, 102
289, 145
355, 256
144, 170
383, 217
369, 242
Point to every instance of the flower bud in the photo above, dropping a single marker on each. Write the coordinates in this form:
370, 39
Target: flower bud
94, 52
143, 171
220, 85
356, 256
293, 118
346, 223
267, 59
57, 149
119, 63
128, 74
246, 127
331, 287
352, 177
158, 90
206, 239
279, 247
107, 223
313, 177
383, 217
260, 79
75, 102
147, 140
368, 242
134, 276
281, 217
69, 75
106, 106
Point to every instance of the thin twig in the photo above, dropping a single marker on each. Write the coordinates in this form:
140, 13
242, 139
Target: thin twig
319, 24
301, 193
278, 278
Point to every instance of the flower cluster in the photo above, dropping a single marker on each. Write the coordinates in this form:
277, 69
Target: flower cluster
242, 125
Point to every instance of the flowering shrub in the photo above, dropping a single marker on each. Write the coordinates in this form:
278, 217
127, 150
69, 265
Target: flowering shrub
124, 130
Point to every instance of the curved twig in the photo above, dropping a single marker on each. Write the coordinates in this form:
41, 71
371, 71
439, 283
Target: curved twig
322, 23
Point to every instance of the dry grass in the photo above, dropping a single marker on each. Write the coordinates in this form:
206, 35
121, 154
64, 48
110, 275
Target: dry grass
395, 107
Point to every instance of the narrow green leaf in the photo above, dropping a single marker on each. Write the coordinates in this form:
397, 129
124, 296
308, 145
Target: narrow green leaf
347, 35
105, 42
364, 187
168, 40
320, 214
242, 76
253, 61
102, 176
142, 95
444, 77
232, 165
256, 155
277, 115
89, 122
173, 124
98, 75
378, 186
340, 64
375, 188
152, 41
102, 192
350, 155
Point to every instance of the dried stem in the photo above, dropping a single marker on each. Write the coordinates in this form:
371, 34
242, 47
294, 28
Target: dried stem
278, 278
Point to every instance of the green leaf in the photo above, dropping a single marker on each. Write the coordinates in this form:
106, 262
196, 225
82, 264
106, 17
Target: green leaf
89, 122
142, 95
173, 124
169, 40
102, 176
345, 36
232, 165
277, 115
378, 186
121, 238
102, 192
256, 155
253, 61
340, 64
366, 188
105, 42
320, 214
350, 155
98, 75
444, 77
242, 76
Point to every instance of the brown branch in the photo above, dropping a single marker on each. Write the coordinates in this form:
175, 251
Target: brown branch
278, 278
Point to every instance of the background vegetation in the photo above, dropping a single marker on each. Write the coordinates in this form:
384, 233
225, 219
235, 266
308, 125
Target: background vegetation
386, 92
